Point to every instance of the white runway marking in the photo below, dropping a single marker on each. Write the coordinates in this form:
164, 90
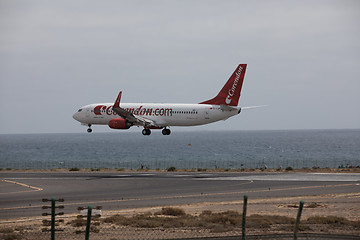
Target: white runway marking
326, 177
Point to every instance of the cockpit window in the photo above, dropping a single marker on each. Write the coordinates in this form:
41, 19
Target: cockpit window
80, 110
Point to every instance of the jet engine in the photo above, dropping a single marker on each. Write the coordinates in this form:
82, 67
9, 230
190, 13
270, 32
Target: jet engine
119, 123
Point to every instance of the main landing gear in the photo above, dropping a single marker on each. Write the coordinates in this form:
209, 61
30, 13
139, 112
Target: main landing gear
166, 131
147, 132
89, 130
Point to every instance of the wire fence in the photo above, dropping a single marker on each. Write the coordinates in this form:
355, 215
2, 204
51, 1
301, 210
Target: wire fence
146, 234
184, 164
32, 230
174, 223
141, 234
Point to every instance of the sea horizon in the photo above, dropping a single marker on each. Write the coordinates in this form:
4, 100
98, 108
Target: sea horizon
183, 129
183, 149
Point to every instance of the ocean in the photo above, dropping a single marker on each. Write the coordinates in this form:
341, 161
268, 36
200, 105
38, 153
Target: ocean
182, 150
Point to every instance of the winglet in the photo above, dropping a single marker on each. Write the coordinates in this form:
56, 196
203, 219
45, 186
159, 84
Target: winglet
117, 102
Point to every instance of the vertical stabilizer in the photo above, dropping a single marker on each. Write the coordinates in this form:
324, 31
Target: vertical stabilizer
230, 93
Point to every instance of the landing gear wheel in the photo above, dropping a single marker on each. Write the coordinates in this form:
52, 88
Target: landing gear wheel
166, 131
146, 132
89, 130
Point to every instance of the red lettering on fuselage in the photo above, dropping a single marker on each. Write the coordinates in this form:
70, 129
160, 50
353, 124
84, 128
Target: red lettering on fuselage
98, 110
109, 111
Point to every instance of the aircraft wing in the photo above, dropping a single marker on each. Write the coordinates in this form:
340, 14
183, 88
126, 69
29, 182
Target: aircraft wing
136, 120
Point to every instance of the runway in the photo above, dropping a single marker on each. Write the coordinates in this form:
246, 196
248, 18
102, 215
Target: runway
21, 193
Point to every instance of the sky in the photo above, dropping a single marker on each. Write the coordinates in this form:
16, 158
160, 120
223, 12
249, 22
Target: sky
303, 60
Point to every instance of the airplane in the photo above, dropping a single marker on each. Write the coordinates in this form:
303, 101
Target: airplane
163, 116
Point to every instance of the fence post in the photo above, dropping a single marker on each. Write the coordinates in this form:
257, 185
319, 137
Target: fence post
298, 219
244, 217
53, 214
53, 219
87, 233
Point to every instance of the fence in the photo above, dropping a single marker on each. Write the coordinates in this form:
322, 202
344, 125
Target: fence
183, 164
174, 223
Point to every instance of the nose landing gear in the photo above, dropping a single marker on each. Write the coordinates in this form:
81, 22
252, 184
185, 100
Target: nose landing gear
89, 130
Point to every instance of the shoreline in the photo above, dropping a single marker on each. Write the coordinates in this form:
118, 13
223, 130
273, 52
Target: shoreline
172, 169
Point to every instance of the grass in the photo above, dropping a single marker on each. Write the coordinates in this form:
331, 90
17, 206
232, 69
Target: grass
78, 222
332, 220
216, 222
74, 169
171, 212
202, 169
171, 169
9, 234
313, 205
6, 230
223, 221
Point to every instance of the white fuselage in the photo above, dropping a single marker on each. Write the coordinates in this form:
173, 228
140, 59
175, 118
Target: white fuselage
162, 114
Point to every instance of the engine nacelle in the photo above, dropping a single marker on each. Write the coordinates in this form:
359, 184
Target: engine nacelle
119, 123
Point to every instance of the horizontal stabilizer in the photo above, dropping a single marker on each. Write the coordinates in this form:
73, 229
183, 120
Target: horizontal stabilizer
228, 108
250, 107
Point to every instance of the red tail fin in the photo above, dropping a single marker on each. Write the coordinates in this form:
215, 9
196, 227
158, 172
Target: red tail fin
230, 93
117, 102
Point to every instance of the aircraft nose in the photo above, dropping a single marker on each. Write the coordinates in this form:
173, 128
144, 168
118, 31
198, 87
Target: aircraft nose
76, 116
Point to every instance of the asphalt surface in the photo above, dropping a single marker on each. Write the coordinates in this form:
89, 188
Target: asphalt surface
21, 193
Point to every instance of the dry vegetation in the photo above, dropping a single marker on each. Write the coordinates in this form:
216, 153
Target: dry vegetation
169, 220
224, 221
